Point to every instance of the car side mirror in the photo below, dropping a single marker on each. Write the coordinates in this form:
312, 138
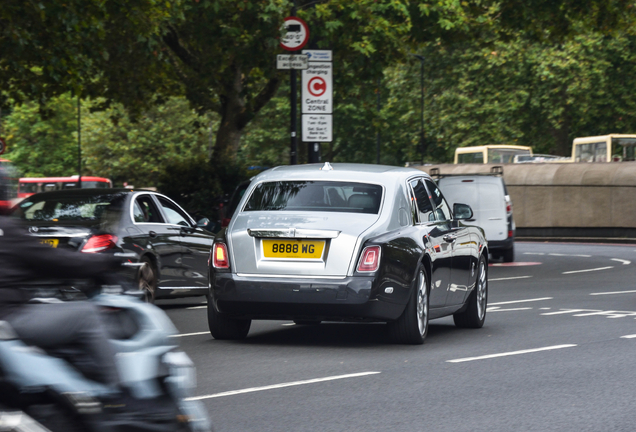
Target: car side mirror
204, 223
462, 211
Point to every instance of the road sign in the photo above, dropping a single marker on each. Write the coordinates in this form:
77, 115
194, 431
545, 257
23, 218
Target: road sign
3, 146
296, 34
291, 61
317, 90
317, 127
319, 55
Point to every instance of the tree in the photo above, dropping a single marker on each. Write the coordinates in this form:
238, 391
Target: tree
43, 146
52, 46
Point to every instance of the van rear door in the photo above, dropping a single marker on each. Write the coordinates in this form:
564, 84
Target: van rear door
486, 196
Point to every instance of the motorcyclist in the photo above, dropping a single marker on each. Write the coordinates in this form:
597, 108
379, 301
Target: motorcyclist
23, 261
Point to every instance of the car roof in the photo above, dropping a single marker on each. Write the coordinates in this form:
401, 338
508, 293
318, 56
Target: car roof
339, 171
85, 192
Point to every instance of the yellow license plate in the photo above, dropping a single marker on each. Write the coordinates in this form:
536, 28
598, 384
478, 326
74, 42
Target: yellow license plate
293, 248
50, 242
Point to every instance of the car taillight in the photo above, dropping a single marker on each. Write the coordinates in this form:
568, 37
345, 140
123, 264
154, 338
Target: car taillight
509, 233
99, 243
370, 259
219, 256
508, 208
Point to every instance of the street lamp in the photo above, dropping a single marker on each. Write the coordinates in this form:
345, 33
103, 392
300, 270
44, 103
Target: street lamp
421, 59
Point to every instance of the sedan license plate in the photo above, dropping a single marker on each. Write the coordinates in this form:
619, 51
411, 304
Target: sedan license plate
304, 249
50, 242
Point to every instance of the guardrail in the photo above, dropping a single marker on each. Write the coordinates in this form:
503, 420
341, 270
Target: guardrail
568, 201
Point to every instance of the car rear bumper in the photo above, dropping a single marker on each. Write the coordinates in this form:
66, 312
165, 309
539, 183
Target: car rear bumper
499, 245
348, 299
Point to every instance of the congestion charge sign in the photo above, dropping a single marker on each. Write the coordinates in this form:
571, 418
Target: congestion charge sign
317, 91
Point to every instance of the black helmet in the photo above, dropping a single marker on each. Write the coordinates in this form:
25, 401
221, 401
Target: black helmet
8, 185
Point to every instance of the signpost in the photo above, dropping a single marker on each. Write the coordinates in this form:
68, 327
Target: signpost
317, 101
291, 61
295, 38
297, 34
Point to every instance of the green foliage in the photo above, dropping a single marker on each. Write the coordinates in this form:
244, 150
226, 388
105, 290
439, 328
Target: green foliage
138, 150
43, 145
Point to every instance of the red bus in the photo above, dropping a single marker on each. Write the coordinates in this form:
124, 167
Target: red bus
32, 185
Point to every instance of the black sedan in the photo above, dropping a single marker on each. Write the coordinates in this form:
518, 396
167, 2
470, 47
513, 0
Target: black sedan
169, 248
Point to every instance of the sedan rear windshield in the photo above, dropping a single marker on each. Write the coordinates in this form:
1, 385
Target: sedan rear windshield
70, 208
323, 196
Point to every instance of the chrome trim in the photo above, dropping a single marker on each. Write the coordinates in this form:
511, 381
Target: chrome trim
290, 276
183, 288
294, 233
49, 234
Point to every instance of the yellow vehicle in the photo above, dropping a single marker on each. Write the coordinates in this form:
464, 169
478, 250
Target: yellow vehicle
604, 148
493, 153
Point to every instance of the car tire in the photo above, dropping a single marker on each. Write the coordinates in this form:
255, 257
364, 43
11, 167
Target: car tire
474, 314
147, 280
307, 322
412, 326
224, 328
509, 254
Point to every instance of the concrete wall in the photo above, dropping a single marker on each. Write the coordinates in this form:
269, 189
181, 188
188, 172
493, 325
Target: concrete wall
567, 199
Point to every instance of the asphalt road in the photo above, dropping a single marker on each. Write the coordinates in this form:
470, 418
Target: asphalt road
557, 353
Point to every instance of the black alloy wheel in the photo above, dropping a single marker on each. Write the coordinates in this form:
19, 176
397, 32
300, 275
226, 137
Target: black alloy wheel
474, 315
412, 326
509, 254
222, 327
147, 280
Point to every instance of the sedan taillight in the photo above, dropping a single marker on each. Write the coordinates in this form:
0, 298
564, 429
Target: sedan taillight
220, 258
370, 259
99, 243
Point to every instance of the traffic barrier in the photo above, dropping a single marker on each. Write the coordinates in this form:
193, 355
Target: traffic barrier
569, 201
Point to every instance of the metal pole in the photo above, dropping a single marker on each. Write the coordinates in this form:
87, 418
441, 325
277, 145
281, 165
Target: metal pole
294, 139
422, 109
422, 146
79, 143
377, 134
293, 155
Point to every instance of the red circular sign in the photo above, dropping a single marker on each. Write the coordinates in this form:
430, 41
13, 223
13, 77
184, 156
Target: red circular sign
296, 34
317, 86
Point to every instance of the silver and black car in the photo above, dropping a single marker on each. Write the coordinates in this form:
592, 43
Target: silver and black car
347, 242
170, 249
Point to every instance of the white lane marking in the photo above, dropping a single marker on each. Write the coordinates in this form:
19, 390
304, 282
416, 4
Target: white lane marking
509, 278
197, 307
496, 309
282, 385
625, 262
614, 292
520, 301
190, 334
629, 336
533, 253
570, 255
565, 311
511, 353
289, 324
588, 270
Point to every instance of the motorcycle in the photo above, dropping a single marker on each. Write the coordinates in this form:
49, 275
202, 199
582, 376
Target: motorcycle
43, 392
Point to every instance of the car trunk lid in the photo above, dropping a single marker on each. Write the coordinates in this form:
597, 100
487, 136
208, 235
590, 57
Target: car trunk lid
320, 244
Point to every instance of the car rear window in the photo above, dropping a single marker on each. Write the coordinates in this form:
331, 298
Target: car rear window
69, 208
324, 196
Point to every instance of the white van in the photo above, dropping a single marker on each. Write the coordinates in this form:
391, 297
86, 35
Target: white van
487, 195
